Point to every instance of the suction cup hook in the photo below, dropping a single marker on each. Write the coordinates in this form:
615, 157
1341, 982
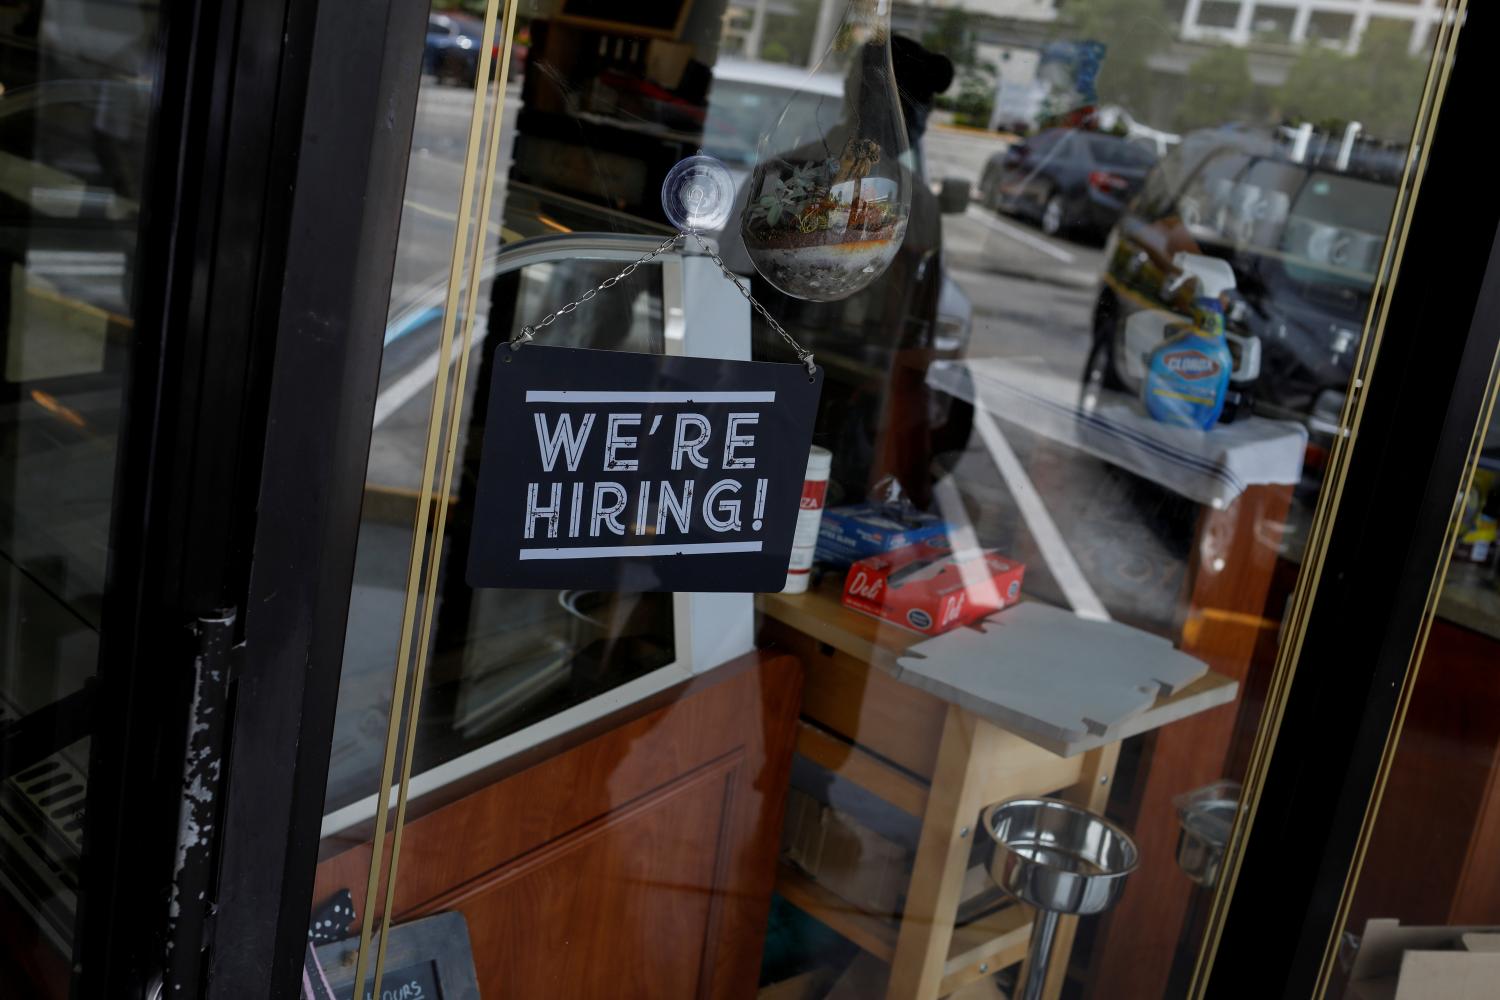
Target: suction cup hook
698, 194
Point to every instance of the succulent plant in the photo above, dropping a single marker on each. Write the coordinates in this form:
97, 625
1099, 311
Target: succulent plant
800, 200
789, 199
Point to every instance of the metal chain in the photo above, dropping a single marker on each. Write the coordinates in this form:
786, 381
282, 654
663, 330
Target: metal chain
803, 354
530, 330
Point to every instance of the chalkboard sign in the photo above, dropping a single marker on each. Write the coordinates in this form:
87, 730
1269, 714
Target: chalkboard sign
411, 982
607, 470
427, 959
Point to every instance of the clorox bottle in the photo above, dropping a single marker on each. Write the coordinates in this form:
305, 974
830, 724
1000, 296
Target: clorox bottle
1187, 376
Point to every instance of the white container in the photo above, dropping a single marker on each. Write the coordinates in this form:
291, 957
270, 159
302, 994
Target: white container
805, 538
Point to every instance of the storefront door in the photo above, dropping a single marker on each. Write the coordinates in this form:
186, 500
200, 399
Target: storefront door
1000, 385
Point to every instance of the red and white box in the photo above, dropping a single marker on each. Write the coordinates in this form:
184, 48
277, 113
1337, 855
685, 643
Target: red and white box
930, 588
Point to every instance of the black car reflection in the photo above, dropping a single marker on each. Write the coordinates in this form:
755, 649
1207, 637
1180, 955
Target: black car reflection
1300, 217
452, 47
1071, 181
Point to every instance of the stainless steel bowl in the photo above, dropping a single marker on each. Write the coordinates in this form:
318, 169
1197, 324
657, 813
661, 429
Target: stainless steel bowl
1057, 856
1206, 816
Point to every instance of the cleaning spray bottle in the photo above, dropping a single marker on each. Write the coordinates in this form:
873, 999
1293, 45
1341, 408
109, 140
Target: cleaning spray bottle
1187, 375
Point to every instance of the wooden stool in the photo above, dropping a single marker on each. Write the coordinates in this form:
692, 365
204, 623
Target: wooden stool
943, 764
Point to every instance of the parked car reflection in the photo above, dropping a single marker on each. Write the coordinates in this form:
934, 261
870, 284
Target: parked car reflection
451, 52
1301, 219
1071, 181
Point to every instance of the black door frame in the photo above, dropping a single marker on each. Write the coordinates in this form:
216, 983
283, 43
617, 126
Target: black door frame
284, 132
280, 136
182, 524
1424, 398
355, 142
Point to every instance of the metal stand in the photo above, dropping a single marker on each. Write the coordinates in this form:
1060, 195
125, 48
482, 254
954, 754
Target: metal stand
1060, 859
1039, 955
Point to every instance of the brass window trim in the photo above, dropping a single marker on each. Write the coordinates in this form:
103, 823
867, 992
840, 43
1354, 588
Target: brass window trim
1299, 608
426, 549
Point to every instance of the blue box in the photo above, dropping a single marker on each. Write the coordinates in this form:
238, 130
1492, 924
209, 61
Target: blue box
849, 534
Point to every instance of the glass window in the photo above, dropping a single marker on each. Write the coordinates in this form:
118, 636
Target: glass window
75, 88
1274, 24
741, 108
1336, 226
1205, 198
1078, 399
1111, 151
501, 661
1045, 141
1218, 14
1330, 26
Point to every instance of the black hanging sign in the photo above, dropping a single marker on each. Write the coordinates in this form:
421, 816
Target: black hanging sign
604, 470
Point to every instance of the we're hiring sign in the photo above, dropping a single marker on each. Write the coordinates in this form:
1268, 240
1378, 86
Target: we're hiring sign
614, 471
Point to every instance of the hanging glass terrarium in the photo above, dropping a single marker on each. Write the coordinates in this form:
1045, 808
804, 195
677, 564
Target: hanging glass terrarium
831, 192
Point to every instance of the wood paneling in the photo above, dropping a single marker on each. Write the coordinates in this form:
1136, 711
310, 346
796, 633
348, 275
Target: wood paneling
637, 864
622, 907
1434, 856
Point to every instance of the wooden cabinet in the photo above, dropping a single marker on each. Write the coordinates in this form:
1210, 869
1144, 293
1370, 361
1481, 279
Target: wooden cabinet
637, 862
1434, 855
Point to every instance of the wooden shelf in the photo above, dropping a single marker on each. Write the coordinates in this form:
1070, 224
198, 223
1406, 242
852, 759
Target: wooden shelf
874, 934
855, 764
994, 941
820, 615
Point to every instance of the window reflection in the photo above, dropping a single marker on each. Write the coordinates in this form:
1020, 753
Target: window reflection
1080, 168
75, 85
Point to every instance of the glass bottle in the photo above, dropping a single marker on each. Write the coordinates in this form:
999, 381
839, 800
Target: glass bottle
831, 191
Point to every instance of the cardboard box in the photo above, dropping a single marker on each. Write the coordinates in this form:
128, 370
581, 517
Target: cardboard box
845, 856
848, 534
929, 588
830, 821
1425, 963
